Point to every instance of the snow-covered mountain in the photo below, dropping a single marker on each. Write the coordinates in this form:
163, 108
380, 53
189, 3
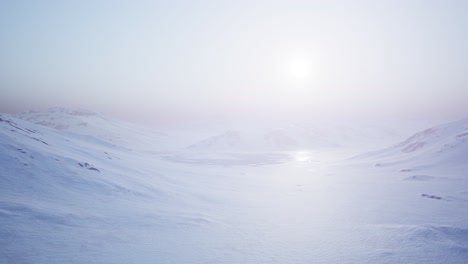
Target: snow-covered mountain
50, 161
442, 145
96, 125
58, 186
242, 140
104, 192
64, 118
296, 137
252, 137
229, 140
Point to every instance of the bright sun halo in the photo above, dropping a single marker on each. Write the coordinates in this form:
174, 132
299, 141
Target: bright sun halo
299, 69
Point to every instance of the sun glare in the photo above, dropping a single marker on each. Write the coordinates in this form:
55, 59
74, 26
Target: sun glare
299, 69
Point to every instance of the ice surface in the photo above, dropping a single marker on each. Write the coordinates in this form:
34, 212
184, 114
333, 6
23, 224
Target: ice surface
112, 192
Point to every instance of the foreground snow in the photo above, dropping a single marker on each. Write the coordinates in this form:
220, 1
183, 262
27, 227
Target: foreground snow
78, 197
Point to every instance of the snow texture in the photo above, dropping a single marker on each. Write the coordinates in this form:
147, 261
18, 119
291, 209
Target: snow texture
79, 187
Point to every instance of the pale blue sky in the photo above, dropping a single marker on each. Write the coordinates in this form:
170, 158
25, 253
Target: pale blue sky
169, 59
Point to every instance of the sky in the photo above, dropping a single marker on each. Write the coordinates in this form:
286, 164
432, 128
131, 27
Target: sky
163, 61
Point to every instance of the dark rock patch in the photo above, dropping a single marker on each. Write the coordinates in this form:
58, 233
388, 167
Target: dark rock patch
88, 166
431, 196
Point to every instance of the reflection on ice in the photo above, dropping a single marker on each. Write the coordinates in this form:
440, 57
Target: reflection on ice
302, 156
227, 159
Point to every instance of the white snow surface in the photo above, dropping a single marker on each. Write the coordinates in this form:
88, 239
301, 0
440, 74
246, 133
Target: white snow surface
442, 146
113, 192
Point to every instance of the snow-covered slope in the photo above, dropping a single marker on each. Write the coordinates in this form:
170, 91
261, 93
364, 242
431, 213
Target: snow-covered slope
88, 123
54, 164
73, 196
56, 187
443, 145
63, 118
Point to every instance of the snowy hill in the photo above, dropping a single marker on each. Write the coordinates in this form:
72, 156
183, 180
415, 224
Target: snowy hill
228, 140
245, 140
62, 118
88, 123
57, 186
442, 145
295, 137
50, 161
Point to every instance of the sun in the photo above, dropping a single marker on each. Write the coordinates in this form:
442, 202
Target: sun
299, 69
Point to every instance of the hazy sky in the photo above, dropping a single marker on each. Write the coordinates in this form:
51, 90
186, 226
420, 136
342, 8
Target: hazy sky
181, 59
